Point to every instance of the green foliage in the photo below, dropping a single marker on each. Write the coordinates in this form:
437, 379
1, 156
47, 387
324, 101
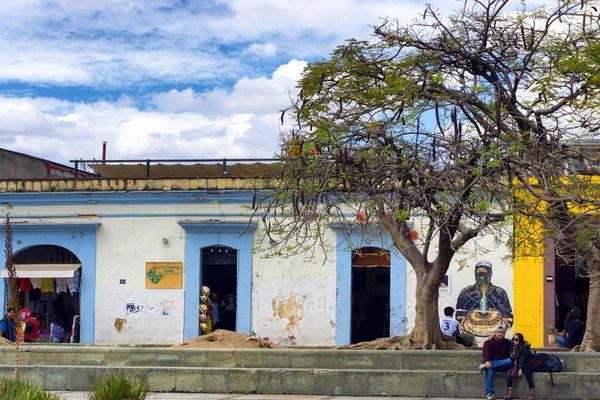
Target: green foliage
11, 389
118, 387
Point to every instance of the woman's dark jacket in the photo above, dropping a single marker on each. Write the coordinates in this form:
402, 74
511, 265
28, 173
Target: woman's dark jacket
522, 352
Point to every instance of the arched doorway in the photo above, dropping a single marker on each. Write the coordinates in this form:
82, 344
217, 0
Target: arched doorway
370, 294
50, 285
219, 273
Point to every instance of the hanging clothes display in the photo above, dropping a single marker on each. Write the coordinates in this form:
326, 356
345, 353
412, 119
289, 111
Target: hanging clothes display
24, 284
71, 285
47, 285
61, 285
36, 283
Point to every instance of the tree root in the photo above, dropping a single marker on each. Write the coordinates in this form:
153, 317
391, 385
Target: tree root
586, 347
404, 343
261, 343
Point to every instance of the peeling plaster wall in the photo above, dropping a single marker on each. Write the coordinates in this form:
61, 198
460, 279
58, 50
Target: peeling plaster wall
462, 271
295, 296
123, 248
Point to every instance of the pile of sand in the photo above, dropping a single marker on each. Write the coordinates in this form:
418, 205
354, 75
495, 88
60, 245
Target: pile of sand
223, 339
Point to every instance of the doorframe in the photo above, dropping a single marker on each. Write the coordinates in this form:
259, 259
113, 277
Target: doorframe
347, 241
199, 235
80, 239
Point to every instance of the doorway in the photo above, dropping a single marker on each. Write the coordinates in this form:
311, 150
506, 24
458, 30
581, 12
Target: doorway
370, 318
49, 288
572, 286
219, 273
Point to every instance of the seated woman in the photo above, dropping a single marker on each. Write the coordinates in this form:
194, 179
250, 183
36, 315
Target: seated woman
574, 330
520, 353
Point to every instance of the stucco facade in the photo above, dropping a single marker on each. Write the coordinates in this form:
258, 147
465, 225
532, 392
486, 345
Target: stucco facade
116, 227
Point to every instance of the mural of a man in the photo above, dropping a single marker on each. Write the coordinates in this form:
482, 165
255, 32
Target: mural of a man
482, 307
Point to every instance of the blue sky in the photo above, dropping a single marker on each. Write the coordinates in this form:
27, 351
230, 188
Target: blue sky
165, 78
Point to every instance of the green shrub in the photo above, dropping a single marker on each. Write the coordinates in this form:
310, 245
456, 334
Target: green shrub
118, 387
11, 389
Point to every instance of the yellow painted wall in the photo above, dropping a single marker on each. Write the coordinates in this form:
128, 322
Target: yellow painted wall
528, 280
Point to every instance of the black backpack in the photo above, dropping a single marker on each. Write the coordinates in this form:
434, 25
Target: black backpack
28, 327
544, 362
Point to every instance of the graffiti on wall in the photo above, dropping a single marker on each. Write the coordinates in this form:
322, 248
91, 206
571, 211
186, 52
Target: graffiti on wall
482, 307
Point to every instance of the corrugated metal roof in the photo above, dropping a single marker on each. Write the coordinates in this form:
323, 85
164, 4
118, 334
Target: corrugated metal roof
132, 171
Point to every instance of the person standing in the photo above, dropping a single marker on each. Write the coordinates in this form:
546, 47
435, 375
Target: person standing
496, 357
574, 330
520, 354
448, 324
8, 325
32, 332
57, 332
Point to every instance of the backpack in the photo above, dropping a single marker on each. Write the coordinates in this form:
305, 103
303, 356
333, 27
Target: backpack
544, 362
59, 331
28, 327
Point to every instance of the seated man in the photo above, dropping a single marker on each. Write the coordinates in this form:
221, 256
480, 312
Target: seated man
496, 357
574, 330
448, 324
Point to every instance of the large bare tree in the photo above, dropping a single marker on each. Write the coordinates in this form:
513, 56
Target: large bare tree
426, 119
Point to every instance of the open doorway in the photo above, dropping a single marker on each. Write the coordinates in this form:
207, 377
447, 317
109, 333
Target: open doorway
572, 286
219, 273
49, 288
370, 294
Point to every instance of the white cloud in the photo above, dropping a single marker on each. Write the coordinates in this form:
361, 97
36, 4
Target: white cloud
239, 123
262, 49
249, 95
123, 42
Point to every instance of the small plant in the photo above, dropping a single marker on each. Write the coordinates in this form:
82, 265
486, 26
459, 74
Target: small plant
118, 387
550, 328
17, 389
43, 338
469, 336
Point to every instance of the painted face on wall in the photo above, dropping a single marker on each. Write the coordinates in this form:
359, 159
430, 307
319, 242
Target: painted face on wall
483, 275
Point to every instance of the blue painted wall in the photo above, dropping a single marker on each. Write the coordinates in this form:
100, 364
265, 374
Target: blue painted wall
79, 239
199, 235
345, 244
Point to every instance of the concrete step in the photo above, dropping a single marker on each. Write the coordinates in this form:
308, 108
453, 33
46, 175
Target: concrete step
309, 381
268, 358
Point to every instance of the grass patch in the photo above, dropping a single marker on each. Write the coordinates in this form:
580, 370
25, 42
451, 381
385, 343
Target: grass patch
11, 389
118, 387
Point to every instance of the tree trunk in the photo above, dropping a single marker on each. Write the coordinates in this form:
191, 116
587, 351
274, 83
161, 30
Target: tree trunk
427, 321
591, 340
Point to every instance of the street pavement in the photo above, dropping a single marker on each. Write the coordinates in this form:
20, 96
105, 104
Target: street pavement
208, 396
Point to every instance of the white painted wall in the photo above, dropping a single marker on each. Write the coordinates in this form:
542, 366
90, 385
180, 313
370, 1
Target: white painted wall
124, 245
486, 247
290, 296
295, 296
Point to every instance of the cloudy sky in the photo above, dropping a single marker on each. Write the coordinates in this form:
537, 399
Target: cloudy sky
165, 78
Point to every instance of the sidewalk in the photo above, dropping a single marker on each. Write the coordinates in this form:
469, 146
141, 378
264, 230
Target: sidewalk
208, 396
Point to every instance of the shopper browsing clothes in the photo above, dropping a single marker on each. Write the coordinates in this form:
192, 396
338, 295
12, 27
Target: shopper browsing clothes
57, 332
8, 325
31, 328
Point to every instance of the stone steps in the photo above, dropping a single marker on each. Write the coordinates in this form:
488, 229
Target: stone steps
297, 371
267, 358
306, 381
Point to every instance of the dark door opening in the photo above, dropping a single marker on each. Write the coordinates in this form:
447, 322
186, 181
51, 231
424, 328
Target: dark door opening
572, 285
370, 294
219, 273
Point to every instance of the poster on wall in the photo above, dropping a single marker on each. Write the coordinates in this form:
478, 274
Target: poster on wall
164, 275
482, 306
445, 285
